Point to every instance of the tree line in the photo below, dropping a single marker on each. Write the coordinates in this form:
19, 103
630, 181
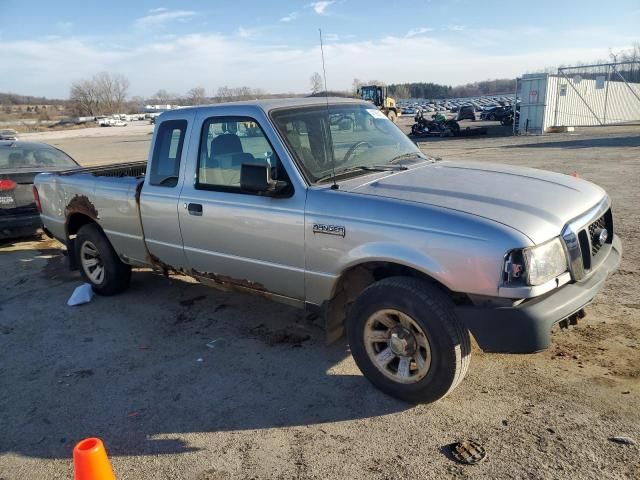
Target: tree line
435, 90
107, 93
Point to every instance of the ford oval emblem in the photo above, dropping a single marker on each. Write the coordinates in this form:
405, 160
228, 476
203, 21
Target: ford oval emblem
603, 236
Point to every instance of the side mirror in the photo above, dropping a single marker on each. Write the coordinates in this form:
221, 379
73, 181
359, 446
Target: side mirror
256, 178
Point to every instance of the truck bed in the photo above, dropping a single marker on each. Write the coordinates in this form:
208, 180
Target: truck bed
128, 169
104, 193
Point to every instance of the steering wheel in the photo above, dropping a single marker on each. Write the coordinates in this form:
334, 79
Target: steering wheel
352, 150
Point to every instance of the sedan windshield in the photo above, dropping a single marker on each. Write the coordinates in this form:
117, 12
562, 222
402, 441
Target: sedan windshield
355, 139
33, 156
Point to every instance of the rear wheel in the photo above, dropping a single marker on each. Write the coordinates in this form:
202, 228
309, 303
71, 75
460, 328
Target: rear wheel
407, 341
99, 263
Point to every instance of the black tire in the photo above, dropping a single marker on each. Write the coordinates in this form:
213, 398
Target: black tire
433, 311
117, 274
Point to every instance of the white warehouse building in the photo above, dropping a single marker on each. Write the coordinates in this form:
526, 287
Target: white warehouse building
578, 97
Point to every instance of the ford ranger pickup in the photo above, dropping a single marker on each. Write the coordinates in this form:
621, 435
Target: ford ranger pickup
325, 203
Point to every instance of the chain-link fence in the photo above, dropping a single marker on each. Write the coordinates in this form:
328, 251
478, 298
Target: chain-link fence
606, 94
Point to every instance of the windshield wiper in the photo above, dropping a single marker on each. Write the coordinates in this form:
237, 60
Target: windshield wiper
397, 158
363, 168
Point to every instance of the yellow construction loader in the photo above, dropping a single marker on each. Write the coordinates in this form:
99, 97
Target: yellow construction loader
377, 95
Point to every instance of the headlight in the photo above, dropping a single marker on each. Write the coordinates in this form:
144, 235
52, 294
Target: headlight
545, 262
536, 265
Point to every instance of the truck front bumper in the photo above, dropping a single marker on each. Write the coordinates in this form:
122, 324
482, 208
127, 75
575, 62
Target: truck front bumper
526, 328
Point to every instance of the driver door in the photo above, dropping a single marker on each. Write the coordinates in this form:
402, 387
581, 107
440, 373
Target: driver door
234, 237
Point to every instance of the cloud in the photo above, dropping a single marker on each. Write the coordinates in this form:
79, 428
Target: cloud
289, 18
245, 32
160, 16
334, 37
456, 28
418, 31
320, 7
176, 63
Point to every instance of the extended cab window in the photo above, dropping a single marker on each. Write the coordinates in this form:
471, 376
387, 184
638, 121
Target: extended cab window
225, 144
165, 164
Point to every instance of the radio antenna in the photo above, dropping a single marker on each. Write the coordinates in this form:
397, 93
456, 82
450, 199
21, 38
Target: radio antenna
326, 97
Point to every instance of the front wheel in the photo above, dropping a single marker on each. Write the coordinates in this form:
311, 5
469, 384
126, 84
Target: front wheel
99, 262
392, 116
405, 338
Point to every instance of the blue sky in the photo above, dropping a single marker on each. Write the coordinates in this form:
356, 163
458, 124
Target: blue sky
177, 45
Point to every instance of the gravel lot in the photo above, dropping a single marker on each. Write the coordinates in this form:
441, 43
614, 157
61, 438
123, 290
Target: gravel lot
267, 399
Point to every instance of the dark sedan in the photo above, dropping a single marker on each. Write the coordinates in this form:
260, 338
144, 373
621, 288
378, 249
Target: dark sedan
20, 162
495, 113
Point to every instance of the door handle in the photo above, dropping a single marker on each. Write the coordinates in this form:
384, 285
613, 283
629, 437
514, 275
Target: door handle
195, 209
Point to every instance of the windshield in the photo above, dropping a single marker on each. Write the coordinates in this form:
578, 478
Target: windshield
33, 156
355, 135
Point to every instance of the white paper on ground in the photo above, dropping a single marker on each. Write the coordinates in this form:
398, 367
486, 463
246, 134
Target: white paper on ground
82, 294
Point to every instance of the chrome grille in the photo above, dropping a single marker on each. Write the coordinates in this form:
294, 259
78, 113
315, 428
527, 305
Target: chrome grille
594, 231
584, 251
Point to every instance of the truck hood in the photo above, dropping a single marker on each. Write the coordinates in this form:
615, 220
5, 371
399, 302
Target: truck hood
537, 203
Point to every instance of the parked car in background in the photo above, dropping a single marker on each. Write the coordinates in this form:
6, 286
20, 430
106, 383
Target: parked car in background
20, 162
495, 113
8, 134
466, 112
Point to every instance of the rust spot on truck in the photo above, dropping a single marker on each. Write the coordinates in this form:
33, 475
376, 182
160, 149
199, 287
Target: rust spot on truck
232, 284
81, 204
158, 264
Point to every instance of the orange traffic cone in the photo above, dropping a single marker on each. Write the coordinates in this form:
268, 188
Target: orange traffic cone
90, 461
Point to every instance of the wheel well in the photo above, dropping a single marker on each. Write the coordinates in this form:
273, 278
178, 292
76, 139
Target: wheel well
76, 221
354, 280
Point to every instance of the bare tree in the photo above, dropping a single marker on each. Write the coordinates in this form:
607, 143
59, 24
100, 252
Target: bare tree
316, 82
84, 98
631, 54
196, 96
226, 94
223, 94
357, 83
164, 97
105, 93
260, 93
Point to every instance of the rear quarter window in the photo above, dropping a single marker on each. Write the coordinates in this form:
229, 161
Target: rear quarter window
167, 153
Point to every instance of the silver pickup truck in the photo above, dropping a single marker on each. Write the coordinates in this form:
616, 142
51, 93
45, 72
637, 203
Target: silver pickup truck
327, 204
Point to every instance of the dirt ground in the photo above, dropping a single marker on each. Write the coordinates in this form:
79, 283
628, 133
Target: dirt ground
184, 382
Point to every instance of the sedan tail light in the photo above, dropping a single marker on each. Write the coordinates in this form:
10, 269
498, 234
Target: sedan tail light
6, 185
36, 197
